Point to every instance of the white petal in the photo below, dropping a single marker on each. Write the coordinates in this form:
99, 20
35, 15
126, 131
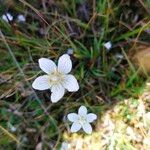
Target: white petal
91, 117
47, 65
71, 83
82, 111
57, 92
64, 64
75, 127
41, 83
73, 117
87, 128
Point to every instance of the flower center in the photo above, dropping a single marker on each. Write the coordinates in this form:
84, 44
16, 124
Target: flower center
82, 120
56, 77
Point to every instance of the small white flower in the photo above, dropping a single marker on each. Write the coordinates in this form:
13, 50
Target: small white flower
81, 120
57, 78
8, 17
21, 18
108, 45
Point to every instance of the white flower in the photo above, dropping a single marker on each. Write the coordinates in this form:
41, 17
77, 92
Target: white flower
21, 18
8, 17
108, 45
57, 78
81, 120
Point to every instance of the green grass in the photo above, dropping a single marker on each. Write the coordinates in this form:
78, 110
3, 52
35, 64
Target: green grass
66, 26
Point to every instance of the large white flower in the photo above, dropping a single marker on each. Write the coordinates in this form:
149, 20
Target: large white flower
81, 120
57, 78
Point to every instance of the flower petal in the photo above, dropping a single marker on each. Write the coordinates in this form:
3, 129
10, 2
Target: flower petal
82, 111
58, 92
73, 117
91, 117
75, 127
71, 83
47, 65
87, 128
64, 64
41, 83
